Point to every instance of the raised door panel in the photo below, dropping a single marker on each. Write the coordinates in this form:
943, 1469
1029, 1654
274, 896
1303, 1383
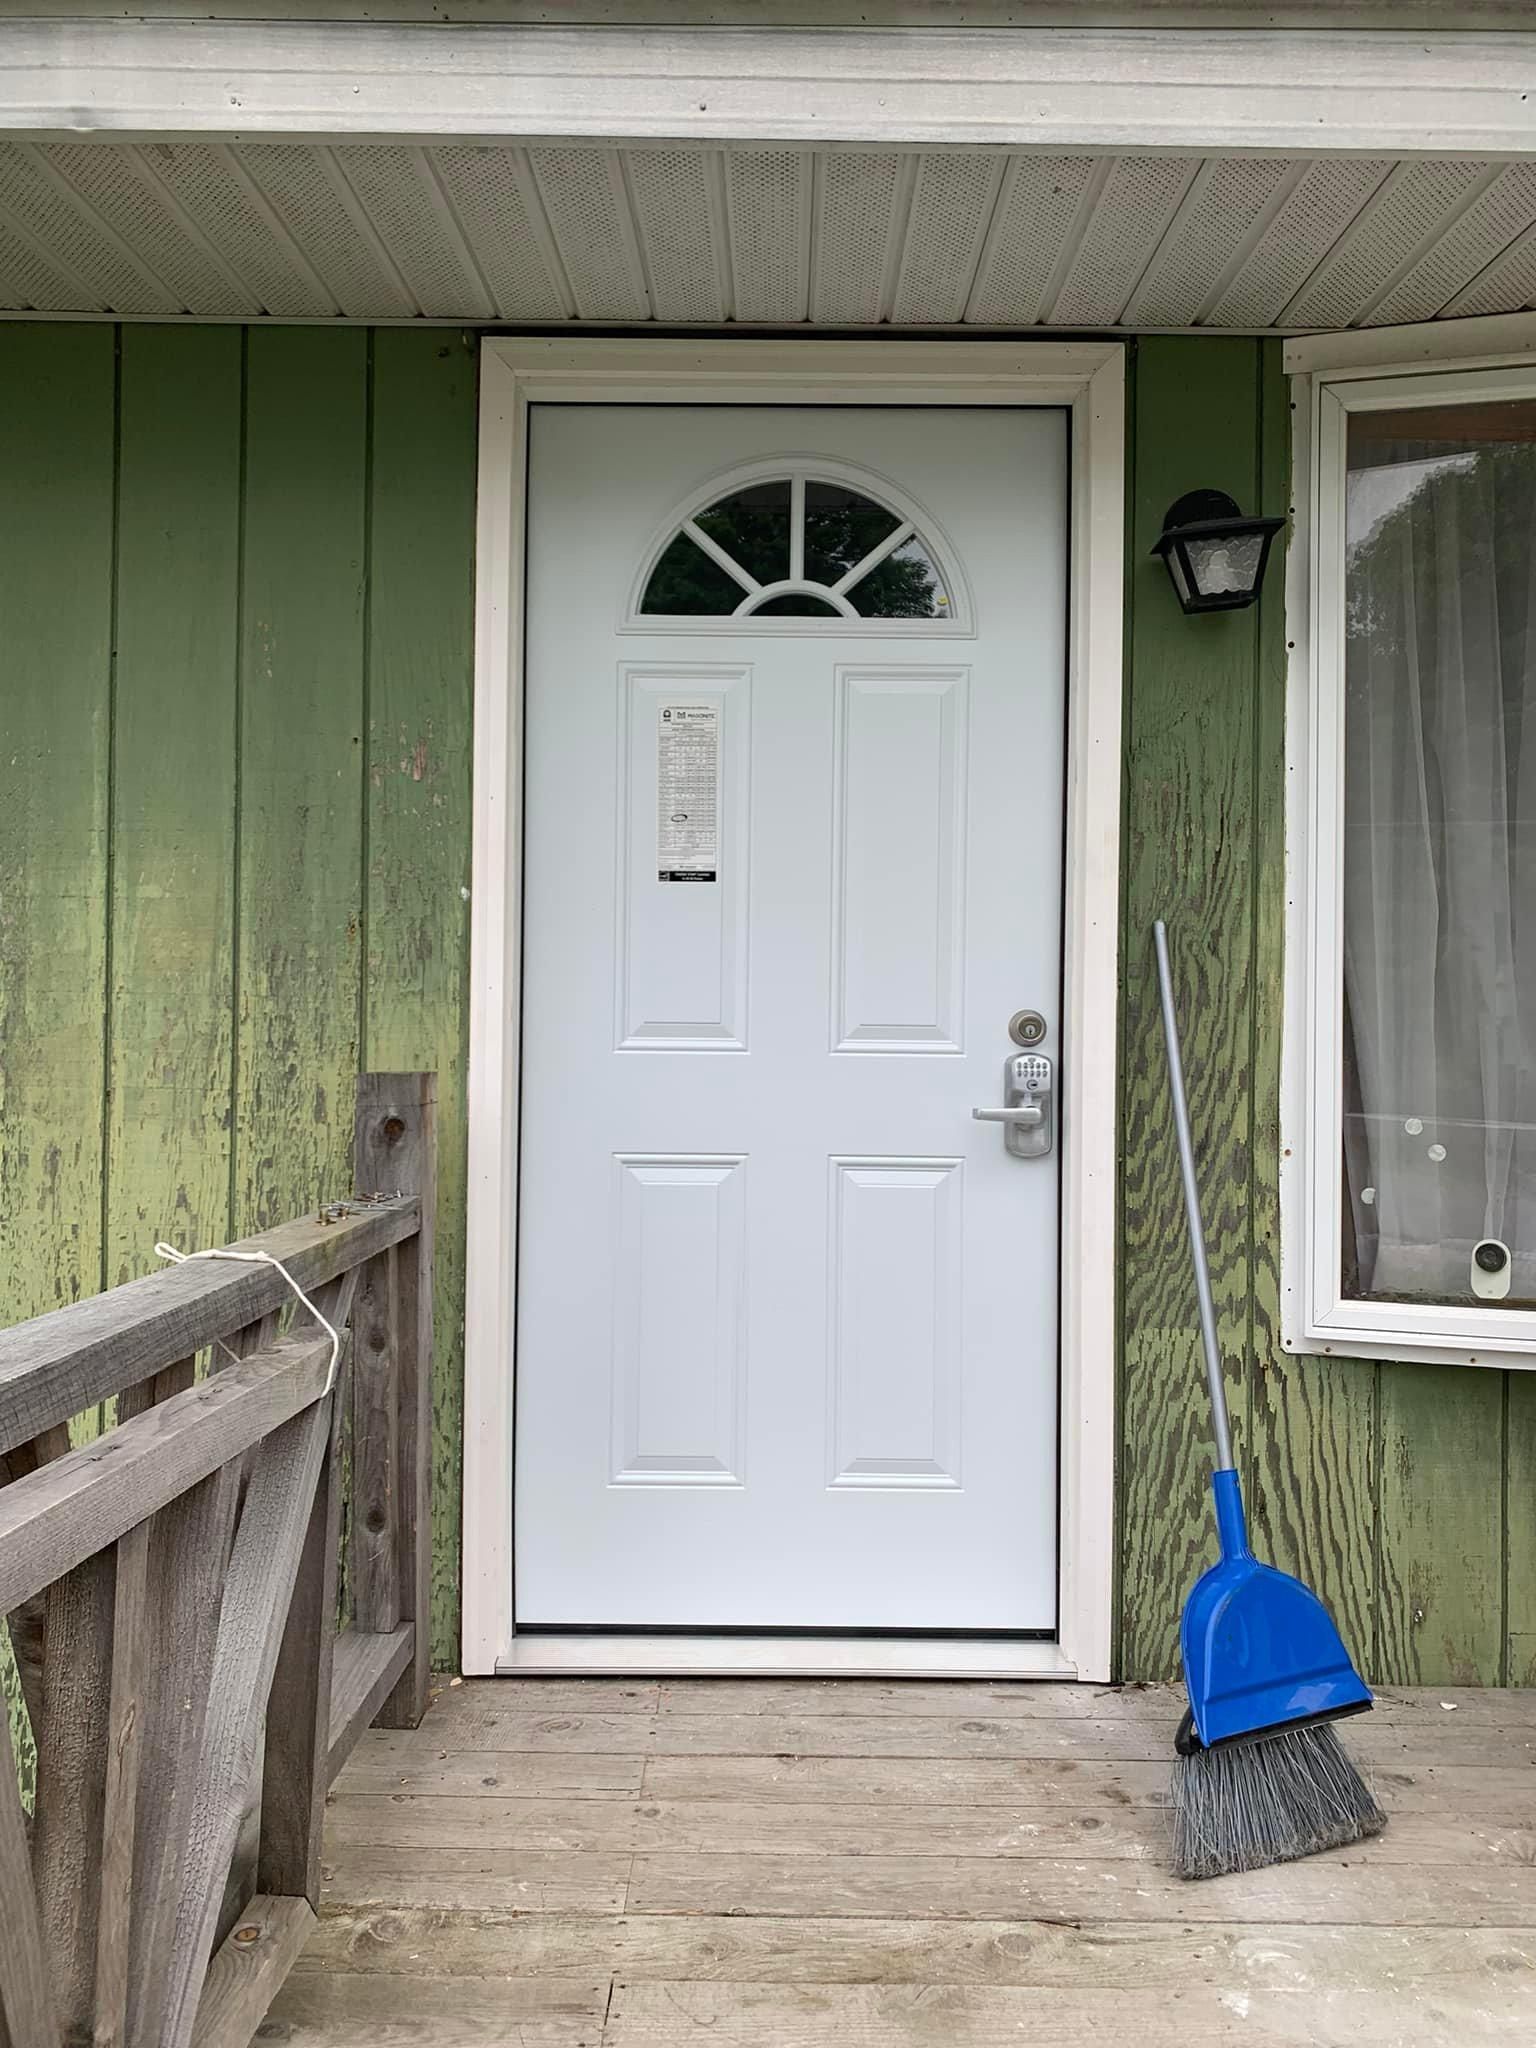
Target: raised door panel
679, 1351
681, 983
899, 847
894, 1336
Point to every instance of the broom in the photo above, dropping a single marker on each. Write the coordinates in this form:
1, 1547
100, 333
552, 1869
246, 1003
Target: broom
1260, 1775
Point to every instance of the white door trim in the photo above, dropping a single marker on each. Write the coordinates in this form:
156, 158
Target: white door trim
1089, 379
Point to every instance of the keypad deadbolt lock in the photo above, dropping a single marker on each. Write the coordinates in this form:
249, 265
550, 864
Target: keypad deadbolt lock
1028, 1114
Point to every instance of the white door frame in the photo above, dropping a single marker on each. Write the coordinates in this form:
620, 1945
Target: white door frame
1089, 379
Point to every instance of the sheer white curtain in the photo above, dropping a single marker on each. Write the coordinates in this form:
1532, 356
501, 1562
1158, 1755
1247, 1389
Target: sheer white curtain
1440, 855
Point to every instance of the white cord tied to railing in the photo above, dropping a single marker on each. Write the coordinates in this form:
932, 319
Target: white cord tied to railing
176, 1258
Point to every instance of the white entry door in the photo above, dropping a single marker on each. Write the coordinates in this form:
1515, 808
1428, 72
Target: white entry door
787, 1314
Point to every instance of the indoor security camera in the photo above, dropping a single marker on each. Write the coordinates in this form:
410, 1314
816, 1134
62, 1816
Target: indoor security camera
1490, 1269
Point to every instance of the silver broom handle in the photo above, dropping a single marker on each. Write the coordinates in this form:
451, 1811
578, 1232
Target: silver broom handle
1213, 1377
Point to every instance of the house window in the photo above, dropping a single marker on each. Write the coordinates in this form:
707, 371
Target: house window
1411, 1120
799, 546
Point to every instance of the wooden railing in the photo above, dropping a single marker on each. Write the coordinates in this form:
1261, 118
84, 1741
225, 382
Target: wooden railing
171, 1588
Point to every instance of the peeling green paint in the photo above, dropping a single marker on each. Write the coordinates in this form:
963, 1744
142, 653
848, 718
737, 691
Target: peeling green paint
275, 527
234, 868
1404, 1493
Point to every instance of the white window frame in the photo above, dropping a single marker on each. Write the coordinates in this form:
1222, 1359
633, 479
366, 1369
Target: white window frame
1333, 376
1088, 379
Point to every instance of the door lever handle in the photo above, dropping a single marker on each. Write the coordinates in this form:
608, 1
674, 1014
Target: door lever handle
1024, 1113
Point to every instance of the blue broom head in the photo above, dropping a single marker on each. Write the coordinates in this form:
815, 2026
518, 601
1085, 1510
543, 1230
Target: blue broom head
1260, 1650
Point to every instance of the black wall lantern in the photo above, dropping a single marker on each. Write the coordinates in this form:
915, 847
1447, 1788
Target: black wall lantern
1215, 556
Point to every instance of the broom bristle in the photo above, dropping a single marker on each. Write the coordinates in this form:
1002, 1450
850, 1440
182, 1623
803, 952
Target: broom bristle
1246, 1805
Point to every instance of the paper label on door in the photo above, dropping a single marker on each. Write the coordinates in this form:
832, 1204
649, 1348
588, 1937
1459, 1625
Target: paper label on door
688, 793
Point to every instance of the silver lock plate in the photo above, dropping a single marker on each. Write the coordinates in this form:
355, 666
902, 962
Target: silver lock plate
1028, 1113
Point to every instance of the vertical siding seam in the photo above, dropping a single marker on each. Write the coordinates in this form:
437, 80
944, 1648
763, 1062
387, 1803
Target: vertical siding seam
1128, 712
1379, 1465
109, 860
1506, 1676
365, 840
1255, 801
238, 819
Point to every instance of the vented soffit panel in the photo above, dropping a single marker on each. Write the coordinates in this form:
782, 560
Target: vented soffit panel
678, 235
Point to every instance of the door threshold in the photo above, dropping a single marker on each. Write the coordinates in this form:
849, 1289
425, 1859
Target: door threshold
707, 1656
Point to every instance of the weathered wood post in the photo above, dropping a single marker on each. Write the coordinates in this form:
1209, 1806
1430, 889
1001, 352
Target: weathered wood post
296, 1770
396, 1152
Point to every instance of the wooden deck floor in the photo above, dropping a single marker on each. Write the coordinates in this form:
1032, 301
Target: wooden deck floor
621, 1864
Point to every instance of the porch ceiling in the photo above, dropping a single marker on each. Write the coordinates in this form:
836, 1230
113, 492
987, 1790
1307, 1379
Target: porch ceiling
680, 232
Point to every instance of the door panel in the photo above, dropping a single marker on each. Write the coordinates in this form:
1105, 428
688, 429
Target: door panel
894, 1284
898, 834
681, 975
679, 1326
787, 1324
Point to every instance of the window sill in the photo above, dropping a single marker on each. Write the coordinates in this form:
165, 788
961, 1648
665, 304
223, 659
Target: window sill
1424, 1336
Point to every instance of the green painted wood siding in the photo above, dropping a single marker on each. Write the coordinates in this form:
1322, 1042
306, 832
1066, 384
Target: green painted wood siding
236, 578
235, 621
1405, 1493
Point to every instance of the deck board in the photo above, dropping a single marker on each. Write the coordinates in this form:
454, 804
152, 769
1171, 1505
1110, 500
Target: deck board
796, 1864
923, 1738
718, 1827
951, 2016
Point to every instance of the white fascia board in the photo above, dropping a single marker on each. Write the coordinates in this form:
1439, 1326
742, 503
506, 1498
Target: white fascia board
1318, 92
1418, 16
1425, 345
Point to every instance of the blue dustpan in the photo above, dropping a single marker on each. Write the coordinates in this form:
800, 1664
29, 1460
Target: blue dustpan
1261, 1653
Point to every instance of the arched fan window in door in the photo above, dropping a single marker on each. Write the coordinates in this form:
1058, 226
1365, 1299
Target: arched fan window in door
802, 546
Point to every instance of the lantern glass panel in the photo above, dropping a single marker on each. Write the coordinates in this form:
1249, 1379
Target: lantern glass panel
1225, 563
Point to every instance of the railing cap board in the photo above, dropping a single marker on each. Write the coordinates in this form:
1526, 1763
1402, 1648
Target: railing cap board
66, 1361
65, 1512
